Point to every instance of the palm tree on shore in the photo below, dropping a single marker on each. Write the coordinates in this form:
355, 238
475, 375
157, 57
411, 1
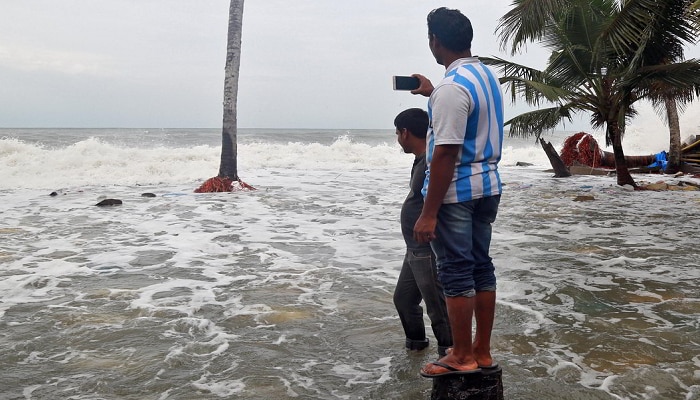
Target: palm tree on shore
597, 64
228, 167
678, 24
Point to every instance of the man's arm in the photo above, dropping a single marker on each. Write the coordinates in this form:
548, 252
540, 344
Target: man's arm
442, 168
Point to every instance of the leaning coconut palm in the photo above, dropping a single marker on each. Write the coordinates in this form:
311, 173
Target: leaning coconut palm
228, 179
596, 65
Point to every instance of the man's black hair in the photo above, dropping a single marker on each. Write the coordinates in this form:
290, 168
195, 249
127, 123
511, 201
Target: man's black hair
452, 28
415, 120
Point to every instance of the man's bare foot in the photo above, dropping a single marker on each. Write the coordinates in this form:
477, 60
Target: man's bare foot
448, 364
483, 361
482, 356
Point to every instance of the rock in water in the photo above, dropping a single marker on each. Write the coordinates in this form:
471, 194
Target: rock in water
148, 195
109, 202
584, 198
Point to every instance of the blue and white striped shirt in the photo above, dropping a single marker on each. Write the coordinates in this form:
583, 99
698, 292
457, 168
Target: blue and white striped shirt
466, 108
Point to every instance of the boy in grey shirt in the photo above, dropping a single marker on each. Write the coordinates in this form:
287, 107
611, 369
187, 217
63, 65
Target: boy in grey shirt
418, 278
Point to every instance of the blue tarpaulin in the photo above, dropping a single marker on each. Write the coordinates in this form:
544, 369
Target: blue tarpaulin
661, 161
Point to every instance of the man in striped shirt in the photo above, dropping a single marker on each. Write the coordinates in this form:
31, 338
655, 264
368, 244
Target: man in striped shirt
462, 189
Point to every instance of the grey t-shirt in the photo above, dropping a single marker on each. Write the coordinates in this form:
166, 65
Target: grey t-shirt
413, 205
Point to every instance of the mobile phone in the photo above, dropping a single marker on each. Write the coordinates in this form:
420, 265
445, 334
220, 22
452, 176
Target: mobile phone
406, 83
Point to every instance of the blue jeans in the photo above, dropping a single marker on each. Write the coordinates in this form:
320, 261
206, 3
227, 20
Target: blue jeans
462, 246
418, 281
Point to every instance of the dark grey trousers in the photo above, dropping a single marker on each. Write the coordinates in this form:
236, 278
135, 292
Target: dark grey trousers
418, 281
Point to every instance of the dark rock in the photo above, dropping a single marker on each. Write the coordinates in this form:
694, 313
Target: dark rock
52, 194
148, 195
109, 202
523, 164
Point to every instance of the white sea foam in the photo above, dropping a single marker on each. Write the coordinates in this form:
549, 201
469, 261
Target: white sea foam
96, 161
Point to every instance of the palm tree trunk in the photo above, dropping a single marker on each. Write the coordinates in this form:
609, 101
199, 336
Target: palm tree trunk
229, 134
674, 127
623, 174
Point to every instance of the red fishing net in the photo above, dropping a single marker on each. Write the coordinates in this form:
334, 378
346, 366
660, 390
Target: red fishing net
581, 148
222, 184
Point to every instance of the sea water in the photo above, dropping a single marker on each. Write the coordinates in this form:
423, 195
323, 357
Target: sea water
286, 291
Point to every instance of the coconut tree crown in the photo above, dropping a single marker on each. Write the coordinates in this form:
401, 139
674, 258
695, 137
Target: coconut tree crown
604, 58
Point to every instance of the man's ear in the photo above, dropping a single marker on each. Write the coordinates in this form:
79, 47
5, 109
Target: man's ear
432, 39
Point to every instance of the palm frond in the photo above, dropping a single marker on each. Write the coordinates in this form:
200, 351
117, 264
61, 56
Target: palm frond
528, 83
680, 80
537, 122
527, 21
658, 29
509, 68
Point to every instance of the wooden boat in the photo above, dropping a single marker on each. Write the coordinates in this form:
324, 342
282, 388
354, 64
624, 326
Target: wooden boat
581, 155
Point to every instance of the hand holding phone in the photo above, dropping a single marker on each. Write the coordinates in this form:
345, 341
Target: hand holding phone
406, 82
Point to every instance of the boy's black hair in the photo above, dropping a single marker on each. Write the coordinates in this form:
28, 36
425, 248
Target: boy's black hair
452, 28
415, 120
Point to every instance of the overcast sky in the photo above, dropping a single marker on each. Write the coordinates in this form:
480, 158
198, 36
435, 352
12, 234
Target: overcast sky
160, 63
